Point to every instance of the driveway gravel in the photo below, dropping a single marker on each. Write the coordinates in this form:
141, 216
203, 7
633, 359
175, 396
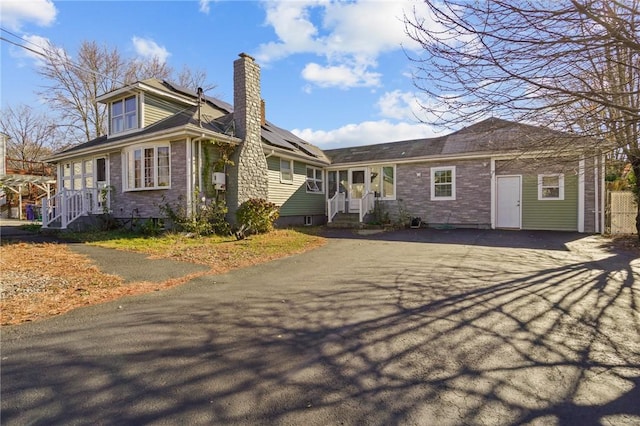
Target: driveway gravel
414, 327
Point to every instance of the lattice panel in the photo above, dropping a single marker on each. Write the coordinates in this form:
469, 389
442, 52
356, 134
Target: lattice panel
623, 213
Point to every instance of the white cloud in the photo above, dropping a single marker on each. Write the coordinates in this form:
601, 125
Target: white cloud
37, 45
341, 76
149, 49
365, 133
15, 13
347, 34
401, 105
401, 113
204, 6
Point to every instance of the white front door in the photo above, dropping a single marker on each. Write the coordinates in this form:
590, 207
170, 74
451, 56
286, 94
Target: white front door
508, 202
357, 188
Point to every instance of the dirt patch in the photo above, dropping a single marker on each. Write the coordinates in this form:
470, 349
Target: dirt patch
40, 280
43, 280
629, 243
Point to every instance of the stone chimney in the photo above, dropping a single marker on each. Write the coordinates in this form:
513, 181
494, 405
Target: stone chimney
249, 177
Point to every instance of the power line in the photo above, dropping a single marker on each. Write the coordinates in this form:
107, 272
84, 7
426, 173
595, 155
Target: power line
24, 47
47, 53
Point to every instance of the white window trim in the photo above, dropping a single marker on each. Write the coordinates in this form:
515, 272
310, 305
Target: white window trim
138, 115
560, 196
83, 175
315, 180
282, 180
453, 183
125, 166
384, 196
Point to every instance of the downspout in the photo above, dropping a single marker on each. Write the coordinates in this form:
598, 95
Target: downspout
596, 183
189, 161
602, 193
190, 169
581, 194
494, 206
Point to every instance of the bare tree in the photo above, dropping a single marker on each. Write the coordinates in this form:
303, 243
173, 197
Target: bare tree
193, 79
150, 68
32, 135
76, 82
572, 65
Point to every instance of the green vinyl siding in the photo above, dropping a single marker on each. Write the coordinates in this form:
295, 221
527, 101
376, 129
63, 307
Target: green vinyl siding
293, 198
156, 109
558, 215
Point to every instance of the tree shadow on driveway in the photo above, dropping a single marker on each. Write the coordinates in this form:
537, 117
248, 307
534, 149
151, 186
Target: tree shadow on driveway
376, 332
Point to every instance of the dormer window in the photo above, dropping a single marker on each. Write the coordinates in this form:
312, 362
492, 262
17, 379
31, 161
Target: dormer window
124, 115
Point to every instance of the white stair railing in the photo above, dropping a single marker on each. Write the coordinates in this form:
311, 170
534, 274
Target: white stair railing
335, 204
66, 206
366, 204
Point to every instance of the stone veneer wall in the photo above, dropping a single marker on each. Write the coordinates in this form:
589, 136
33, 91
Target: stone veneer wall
471, 208
248, 178
144, 204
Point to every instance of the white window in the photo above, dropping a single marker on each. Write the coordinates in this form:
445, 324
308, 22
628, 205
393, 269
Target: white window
337, 181
443, 183
124, 115
148, 167
78, 174
551, 187
286, 171
314, 180
383, 181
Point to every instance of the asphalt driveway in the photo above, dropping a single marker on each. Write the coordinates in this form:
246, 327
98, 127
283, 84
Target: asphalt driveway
417, 327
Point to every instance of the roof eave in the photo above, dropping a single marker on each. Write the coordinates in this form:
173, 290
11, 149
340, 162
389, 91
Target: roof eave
187, 131
284, 153
141, 87
450, 157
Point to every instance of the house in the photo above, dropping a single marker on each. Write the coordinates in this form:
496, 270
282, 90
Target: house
169, 144
493, 174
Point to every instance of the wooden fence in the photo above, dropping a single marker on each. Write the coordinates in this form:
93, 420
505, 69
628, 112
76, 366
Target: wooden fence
621, 212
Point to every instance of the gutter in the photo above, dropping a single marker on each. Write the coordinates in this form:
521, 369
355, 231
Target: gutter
270, 151
451, 157
150, 137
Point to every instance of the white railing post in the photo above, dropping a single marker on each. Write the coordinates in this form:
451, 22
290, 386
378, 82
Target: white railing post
365, 205
44, 211
332, 207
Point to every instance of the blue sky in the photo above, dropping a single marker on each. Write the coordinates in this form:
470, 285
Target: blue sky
333, 72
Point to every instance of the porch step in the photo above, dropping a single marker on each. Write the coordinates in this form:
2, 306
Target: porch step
346, 220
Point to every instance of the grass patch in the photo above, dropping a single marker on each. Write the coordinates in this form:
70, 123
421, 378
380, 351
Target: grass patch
219, 253
31, 227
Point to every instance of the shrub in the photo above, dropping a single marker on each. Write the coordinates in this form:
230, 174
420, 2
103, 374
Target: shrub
257, 215
207, 217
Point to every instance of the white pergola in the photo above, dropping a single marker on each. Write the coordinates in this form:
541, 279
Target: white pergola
16, 183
